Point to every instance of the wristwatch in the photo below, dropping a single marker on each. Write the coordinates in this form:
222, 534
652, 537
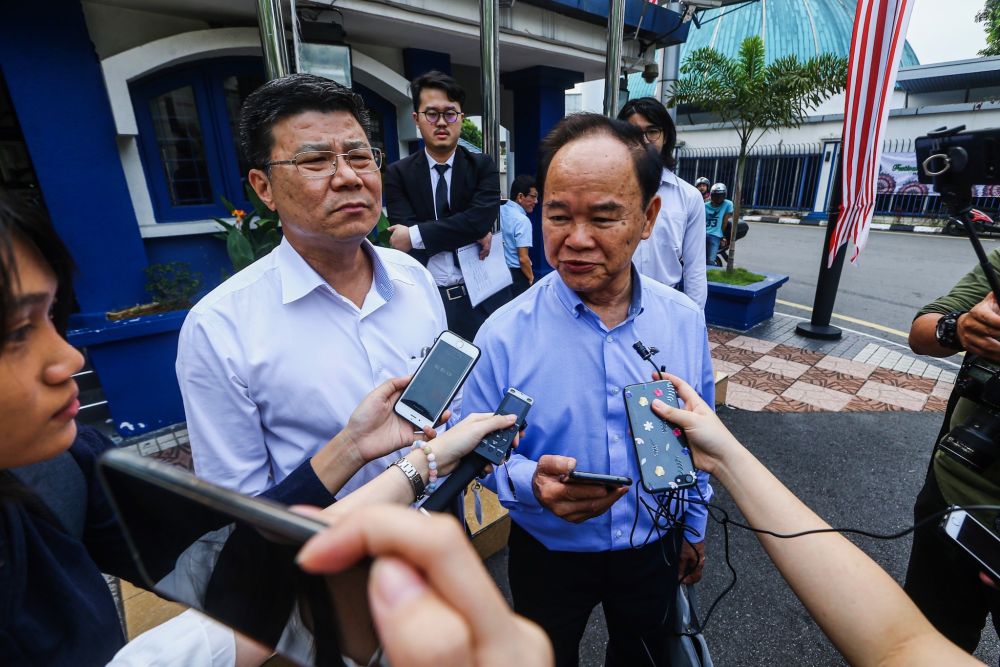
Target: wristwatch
416, 481
947, 330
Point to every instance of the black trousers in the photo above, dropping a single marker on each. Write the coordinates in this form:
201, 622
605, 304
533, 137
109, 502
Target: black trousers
559, 589
943, 581
463, 319
521, 284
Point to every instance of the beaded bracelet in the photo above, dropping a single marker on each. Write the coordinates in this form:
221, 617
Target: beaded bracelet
432, 466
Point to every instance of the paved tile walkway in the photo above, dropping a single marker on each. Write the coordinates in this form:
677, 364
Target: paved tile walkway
772, 369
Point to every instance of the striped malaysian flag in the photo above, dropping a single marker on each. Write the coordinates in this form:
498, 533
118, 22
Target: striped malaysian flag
876, 47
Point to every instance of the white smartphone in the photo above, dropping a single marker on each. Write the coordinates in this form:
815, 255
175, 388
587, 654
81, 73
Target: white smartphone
980, 543
437, 380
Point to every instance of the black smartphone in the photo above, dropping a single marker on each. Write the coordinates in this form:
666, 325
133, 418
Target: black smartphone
664, 459
232, 557
437, 380
976, 539
597, 478
496, 445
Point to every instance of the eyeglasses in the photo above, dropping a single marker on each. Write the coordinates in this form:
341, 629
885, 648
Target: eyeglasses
433, 115
321, 164
652, 134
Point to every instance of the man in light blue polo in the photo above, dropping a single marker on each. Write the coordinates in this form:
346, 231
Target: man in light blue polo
516, 229
567, 342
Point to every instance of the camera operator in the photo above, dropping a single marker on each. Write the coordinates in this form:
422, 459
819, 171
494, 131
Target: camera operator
941, 580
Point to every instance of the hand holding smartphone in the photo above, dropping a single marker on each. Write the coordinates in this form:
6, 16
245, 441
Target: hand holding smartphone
578, 477
437, 380
975, 539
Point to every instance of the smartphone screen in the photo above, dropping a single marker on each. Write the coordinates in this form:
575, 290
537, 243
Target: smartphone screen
981, 543
232, 557
437, 380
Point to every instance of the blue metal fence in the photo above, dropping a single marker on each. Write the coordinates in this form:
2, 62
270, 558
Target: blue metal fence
784, 178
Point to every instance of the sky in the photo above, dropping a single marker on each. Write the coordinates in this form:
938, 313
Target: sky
942, 31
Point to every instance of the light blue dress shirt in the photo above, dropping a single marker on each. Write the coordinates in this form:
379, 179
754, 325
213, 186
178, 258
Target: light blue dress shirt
551, 346
516, 229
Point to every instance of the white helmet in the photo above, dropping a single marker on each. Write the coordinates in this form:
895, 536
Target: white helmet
702, 181
719, 189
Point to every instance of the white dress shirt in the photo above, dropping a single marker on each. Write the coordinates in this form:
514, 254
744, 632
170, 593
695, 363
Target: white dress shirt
272, 362
676, 248
441, 265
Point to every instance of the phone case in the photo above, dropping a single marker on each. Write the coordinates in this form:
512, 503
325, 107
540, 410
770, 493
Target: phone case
664, 459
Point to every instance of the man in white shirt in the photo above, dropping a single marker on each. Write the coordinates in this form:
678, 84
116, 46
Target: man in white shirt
444, 197
273, 361
674, 253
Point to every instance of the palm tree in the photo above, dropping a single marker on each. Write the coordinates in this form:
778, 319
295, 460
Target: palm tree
753, 97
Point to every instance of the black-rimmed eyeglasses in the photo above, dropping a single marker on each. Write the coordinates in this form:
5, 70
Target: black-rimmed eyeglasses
433, 115
320, 164
652, 134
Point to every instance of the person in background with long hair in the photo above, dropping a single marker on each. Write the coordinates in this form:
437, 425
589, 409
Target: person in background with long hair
674, 253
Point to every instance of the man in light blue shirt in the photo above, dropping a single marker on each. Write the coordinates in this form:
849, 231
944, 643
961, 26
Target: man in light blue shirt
516, 229
567, 342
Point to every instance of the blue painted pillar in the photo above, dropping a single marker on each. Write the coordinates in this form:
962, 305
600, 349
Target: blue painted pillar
59, 96
539, 103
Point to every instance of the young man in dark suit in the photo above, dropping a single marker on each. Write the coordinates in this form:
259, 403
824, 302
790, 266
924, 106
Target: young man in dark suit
443, 197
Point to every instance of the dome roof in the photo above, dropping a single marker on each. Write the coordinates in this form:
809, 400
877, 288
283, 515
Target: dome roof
805, 28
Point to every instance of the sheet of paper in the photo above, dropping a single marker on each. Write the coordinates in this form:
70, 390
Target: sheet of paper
484, 277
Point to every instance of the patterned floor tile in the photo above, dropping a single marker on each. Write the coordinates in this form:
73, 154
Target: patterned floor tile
747, 398
904, 380
791, 369
935, 404
861, 404
712, 345
839, 365
726, 367
720, 336
735, 355
752, 344
782, 404
832, 380
757, 379
178, 456
904, 398
821, 397
795, 354
942, 389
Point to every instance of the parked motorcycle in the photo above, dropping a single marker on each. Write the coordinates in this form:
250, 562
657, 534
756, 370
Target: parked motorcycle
984, 225
722, 258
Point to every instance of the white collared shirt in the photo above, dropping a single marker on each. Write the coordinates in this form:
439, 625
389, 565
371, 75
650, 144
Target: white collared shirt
272, 362
676, 248
441, 265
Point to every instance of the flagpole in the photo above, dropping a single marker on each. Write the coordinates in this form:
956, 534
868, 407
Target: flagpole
828, 281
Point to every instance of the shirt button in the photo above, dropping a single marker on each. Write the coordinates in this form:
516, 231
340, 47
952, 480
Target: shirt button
618, 534
616, 438
614, 391
610, 338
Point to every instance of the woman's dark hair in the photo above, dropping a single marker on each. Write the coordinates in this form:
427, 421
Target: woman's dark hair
579, 125
442, 82
287, 96
30, 224
654, 111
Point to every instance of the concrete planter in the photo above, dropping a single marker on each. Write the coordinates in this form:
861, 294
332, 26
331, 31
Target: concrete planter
134, 360
741, 307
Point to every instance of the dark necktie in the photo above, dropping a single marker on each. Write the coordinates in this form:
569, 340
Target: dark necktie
441, 192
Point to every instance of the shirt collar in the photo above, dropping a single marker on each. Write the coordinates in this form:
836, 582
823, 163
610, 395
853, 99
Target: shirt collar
431, 161
668, 177
575, 306
514, 206
299, 279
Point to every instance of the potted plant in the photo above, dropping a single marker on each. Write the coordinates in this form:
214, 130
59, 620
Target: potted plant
752, 97
249, 237
133, 350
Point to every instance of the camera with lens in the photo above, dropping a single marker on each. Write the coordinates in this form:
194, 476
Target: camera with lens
955, 161
976, 441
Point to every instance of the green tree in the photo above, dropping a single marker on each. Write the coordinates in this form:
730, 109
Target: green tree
990, 16
471, 133
753, 97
